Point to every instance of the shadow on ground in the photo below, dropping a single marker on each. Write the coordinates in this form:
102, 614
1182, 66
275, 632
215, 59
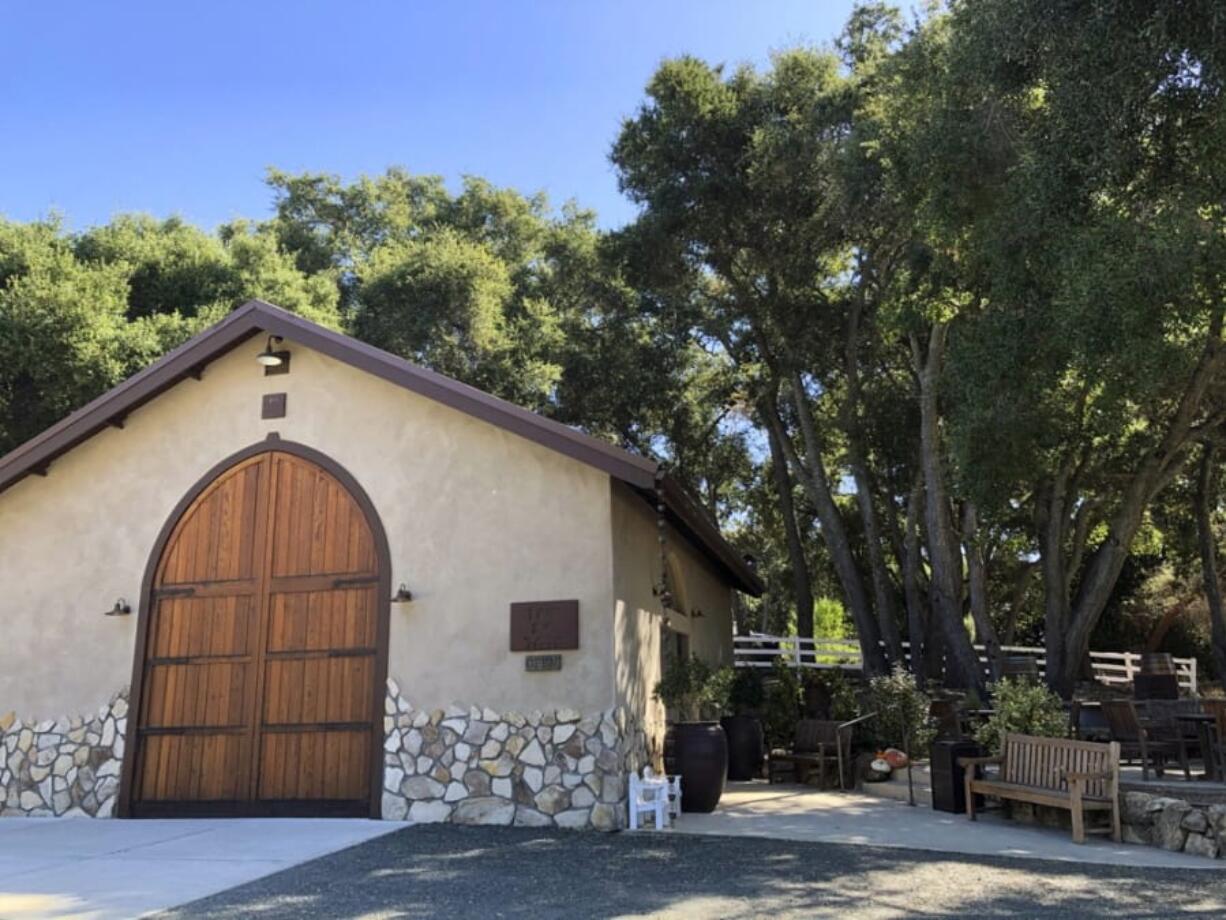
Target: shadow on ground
510, 872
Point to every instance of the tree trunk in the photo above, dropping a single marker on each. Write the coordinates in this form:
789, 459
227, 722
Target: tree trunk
944, 557
1049, 521
1016, 597
1208, 559
883, 586
884, 594
917, 615
802, 585
812, 474
1155, 471
977, 579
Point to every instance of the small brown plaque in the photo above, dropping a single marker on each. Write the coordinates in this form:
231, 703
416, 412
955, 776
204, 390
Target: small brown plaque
273, 406
544, 625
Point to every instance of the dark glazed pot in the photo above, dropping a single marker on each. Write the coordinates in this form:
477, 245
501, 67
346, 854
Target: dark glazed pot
746, 748
700, 751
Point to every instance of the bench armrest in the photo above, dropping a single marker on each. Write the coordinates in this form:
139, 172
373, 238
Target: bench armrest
979, 761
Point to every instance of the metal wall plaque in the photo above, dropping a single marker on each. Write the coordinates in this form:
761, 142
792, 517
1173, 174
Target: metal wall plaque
543, 663
538, 626
273, 406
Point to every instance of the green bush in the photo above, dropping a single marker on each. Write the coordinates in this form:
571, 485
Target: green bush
836, 693
738, 691
1022, 707
688, 687
782, 706
902, 713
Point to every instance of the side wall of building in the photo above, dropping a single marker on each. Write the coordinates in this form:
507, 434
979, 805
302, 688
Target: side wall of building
640, 617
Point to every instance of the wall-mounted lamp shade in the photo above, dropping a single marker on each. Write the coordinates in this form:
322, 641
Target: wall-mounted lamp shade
121, 609
403, 595
270, 357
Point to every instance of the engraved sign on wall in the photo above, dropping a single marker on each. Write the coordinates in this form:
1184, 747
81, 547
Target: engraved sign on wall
538, 626
543, 663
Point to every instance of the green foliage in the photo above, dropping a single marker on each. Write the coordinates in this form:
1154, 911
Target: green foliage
837, 692
1023, 707
782, 706
902, 713
829, 619
738, 691
688, 687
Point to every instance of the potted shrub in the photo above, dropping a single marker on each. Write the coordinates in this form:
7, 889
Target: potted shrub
740, 696
700, 748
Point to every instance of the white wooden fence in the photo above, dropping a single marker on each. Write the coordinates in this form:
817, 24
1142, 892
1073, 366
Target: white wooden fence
760, 650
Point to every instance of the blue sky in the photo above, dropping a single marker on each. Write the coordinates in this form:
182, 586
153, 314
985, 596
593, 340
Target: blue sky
178, 108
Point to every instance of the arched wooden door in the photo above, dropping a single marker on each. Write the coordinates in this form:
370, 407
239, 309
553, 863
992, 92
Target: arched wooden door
261, 690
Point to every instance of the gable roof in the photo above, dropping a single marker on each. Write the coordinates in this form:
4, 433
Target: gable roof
256, 318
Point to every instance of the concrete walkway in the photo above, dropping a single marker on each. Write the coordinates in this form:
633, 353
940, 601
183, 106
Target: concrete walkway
103, 869
801, 813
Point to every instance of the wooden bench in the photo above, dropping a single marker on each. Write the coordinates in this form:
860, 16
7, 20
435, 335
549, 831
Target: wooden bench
1079, 776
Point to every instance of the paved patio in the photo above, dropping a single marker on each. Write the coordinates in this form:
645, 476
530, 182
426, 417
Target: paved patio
106, 870
787, 812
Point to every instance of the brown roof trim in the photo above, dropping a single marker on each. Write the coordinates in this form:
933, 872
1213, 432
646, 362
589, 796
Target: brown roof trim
256, 317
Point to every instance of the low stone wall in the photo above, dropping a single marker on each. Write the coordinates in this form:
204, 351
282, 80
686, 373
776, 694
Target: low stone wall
65, 766
1150, 820
474, 765
1174, 824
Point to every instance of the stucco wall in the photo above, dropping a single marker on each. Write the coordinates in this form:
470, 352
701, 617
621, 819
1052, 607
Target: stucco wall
636, 569
476, 518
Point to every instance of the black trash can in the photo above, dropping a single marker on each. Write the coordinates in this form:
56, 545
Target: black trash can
948, 784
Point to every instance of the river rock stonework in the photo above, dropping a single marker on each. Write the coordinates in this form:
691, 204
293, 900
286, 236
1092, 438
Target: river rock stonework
473, 765
66, 766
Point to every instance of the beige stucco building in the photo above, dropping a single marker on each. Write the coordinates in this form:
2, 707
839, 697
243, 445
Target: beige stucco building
233, 588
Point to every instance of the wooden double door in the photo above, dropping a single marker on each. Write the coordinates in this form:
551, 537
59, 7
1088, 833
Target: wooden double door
261, 684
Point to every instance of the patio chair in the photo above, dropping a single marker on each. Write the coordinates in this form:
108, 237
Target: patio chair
1163, 716
1136, 738
816, 744
1217, 709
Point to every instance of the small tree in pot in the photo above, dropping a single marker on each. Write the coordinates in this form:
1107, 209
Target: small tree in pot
700, 748
740, 694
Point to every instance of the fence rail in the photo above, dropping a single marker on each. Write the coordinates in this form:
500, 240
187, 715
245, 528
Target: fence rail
760, 650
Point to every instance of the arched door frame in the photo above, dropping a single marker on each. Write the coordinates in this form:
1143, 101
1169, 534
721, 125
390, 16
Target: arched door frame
272, 443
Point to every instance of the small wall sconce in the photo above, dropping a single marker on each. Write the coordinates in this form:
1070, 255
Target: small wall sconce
121, 609
403, 595
274, 360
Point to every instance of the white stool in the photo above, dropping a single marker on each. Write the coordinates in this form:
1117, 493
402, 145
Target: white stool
649, 795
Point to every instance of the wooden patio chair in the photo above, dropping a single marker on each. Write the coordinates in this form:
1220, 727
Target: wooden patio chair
1160, 717
815, 745
1135, 738
1217, 709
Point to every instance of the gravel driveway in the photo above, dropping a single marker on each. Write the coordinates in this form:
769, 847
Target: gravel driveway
457, 872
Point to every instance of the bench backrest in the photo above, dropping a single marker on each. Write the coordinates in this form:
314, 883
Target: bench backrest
1042, 762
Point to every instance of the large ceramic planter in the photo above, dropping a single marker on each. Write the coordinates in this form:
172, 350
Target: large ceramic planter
746, 747
700, 753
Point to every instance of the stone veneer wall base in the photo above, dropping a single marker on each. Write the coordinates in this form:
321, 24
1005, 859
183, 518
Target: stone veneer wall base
473, 765
66, 766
